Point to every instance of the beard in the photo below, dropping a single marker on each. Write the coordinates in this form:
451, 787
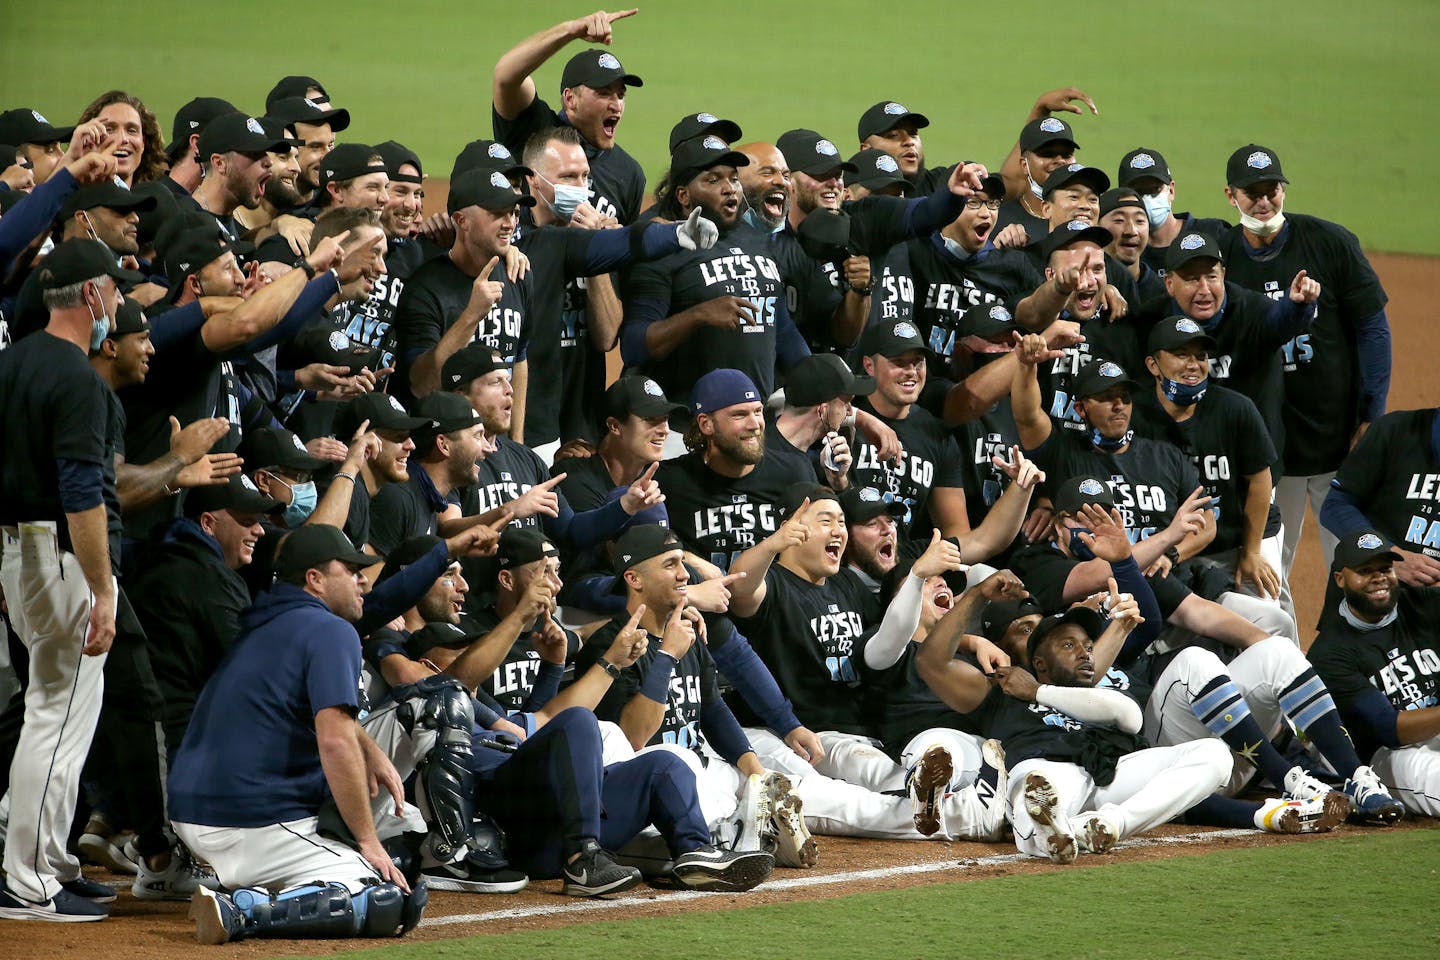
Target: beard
737, 449
283, 196
1367, 608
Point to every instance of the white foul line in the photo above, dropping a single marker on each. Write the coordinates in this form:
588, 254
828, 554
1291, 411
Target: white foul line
590, 905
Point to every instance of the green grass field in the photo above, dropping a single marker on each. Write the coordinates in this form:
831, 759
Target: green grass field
1343, 91
1366, 895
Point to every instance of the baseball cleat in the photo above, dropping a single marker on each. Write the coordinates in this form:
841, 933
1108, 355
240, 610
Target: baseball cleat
1300, 784
217, 919
794, 847
928, 782
594, 874
1370, 802
978, 811
723, 871
1043, 805
1097, 835
756, 810
1320, 815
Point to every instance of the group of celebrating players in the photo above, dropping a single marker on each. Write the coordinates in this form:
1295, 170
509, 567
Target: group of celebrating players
932, 502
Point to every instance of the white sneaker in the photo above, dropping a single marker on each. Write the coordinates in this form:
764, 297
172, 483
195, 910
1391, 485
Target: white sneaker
929, 780
178, 881
1320, 815
1051, 824
1301, 785
755, 812
794, 847
1097, 834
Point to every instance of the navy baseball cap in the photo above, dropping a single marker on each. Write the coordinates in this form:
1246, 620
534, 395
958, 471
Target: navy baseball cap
890, 339
810, 153
1359, 548
314, 545
694, 125
1143, 163
596, 68
1091, 621
1251, 164
1037, 133
1098, 376
1192, 246
722, 388
1077, 492
885, 116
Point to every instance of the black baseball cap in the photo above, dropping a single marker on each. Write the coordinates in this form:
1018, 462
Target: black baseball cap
1077, 492
800, 491
441, 634
191, 119
1117, 197
1360, 547
130, 318
396, 155
1175, 332
640, 396
107, 193
890, 339
490, 189
596, 68
488, 155
887, 115
720, 388
1143, 163
315, 545
807, 151
471, 361
1253, 163
10, 157
23, 125
1192, 245
1099, 375
191, 251
288, 111
1086, 619
382, 410
239, 494
1037, 133
405, 553
322, 342
278, 447
689, 157
876, 170
444, 413
242, 134
990, 323
863, 504
825, 236
999, 614
1092, 177
1073, 232
641, 542
294, 86
820, 378
154, 219
694, 125
348, 161
79, 259
522, 545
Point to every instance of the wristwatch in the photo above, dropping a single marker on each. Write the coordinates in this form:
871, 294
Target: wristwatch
608, 667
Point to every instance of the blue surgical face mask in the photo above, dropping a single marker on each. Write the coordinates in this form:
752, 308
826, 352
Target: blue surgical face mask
303, 498
1157, 208
1103, 442
99, 326
568, 198
1183, 394
1078, 549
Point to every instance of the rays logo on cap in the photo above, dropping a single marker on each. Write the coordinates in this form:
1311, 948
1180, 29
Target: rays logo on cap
1259, 160
869, 495
248, 484
998, 312
707, 118
497, 179
826, 148
713, 143
298, 445
498, 151
395, 405
608, 61
1142, 161
652, 388
39, 117
1368, 541
338, 340
895, 109
905, 331
888, 164
1051, 125
1186, 325
253, 126
1108, 369
1191, 241
1091, 487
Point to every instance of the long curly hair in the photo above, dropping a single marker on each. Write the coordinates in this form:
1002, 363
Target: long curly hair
149, 167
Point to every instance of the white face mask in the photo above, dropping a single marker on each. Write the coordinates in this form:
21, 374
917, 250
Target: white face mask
1263, 228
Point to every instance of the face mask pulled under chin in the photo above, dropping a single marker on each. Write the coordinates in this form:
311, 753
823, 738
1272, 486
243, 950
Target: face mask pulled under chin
1263, 228
99, 327
1184, 394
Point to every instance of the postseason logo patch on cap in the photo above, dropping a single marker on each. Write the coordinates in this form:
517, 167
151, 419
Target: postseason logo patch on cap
498, 179
395, 405
1186, 325
895, 109
1091, 487
338, 340
1142, 161
298, 445
1075, 225
248, 484
1191, 241
1368, 541
652, 388
608, 61
1108, 369
905, 331
707, 118
998, 312
888, 164
1259, 160
869, 495
253, 126
39, 117
498, 151
713, 143
1051, 125
826, 149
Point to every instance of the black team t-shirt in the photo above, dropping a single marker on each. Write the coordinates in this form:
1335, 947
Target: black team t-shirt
436, 296
1149, 479
931, 459
1395, 479
1321, 365
948, 289
1044, 569
902, 705
513, 680
809, 636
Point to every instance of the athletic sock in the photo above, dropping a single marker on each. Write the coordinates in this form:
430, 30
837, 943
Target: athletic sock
1223, 710
1218, 810
1309, 706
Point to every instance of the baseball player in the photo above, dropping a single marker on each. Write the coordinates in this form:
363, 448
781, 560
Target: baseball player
1145, 171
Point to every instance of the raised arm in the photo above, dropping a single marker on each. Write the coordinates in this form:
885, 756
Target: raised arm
513, 89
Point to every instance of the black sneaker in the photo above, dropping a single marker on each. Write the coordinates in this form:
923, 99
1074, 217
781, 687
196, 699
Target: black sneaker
64, 907
92, 890
463, 876
729, 871
594, 874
